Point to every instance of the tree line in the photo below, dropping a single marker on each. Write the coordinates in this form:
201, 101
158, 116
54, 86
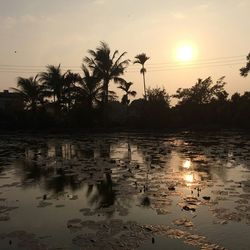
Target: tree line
54, 98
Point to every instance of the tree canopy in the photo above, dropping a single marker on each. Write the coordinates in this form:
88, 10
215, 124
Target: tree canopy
203, 92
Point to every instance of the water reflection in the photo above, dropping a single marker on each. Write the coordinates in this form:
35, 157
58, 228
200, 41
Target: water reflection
189, 178
135, 175
103, 195
186, 164
104, 163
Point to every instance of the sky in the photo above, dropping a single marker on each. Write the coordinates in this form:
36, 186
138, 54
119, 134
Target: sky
43, 32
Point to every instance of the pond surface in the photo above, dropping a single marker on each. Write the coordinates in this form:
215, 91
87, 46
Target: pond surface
125, 191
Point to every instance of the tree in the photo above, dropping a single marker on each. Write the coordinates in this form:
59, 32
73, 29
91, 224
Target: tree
90, 88
53, 81
69, 89
125, 86
203, 92
158, 96
141, 59
106, 66
245, 70
31, 91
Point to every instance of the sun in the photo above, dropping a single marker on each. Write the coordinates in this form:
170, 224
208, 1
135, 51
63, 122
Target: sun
184, 53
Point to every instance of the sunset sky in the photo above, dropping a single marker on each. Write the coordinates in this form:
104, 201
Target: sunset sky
61, 31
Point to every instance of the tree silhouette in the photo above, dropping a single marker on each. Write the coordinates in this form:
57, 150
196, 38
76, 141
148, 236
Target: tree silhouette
158, 96
53, 81
69, 88
30, 90
125, 86
90, 88
245, 70
141, 59
107, 66
203, 92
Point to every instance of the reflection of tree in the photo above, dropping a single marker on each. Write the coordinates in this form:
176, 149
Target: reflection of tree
129, 152
84, 149
145, 202
104, 196
104, 149
47, 162
32, 174
61, 182
58, 150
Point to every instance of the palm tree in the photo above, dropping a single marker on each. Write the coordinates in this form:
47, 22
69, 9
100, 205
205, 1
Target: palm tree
125, 86
141, 59
90, 88
31, 91
106, 66
245, 70
53, 80
69, 90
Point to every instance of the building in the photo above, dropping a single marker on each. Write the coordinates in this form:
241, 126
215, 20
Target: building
11, 102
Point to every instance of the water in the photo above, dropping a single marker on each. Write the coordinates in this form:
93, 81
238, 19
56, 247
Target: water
125, 191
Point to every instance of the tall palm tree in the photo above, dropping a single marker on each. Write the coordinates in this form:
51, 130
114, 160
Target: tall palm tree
53, 80
106, 65
90, 88
31, 91
125, 86
141, 59
245, 70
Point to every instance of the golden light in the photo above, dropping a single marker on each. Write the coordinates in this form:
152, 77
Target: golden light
184, 53
186, 164
189, 178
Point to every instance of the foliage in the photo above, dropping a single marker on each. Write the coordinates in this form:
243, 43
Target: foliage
60, 99
106, 65
125, 86
141, 59
31, 91
245, 70
203, 92
158, 96
53, 81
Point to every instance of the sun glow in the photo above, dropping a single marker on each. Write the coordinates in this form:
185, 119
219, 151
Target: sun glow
189, 178
186, 164
185, 53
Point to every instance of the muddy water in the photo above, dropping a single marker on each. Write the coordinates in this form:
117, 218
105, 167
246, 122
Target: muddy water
125, 191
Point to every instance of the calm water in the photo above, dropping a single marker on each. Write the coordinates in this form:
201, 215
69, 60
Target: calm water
125, 191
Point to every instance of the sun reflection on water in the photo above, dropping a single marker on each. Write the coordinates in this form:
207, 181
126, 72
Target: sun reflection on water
189, 178
186, 164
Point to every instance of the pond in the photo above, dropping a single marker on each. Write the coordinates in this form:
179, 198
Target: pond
125, 191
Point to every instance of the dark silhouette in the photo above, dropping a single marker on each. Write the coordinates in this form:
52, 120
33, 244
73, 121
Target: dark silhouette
245, 70
69, 89
56, 99
141, 59
31, 92
90, 88
125, 86
53, 81
203, 92
106, 66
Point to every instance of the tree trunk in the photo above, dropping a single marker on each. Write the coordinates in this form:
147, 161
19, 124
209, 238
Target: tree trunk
145, 94
105, 91
144, 82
